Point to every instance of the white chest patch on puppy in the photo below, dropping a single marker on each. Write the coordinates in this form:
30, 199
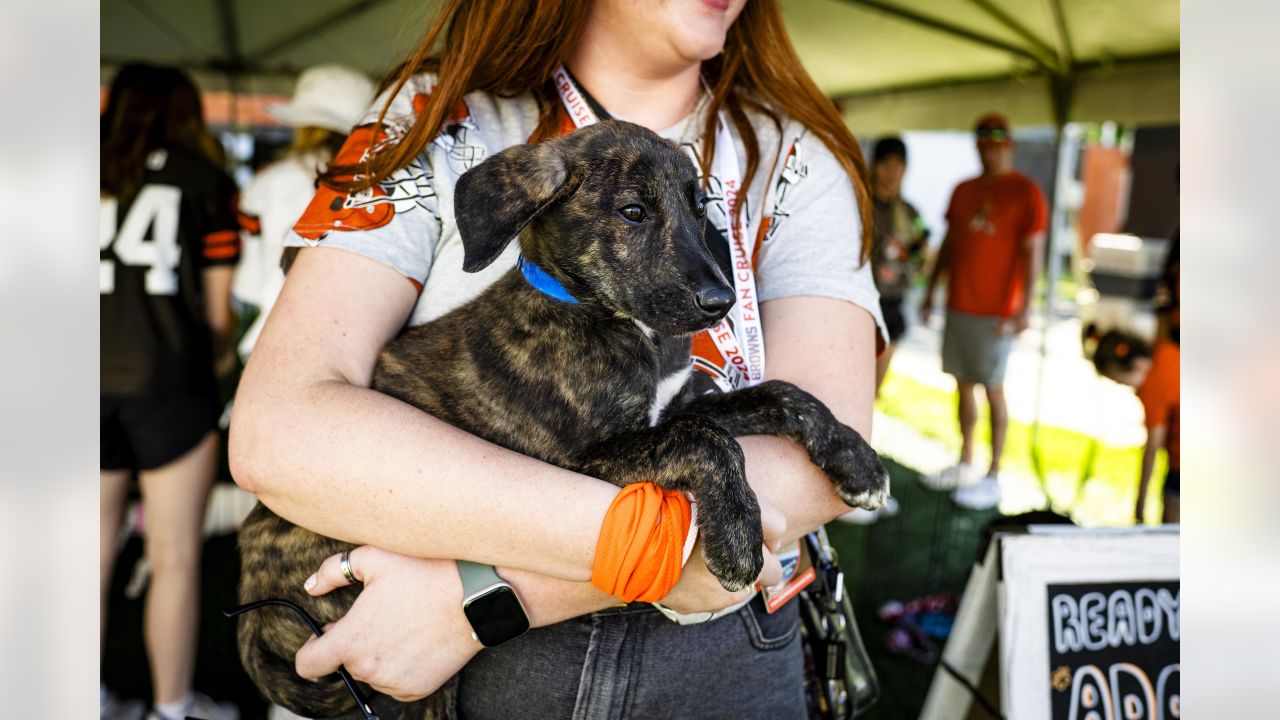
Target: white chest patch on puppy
667, 389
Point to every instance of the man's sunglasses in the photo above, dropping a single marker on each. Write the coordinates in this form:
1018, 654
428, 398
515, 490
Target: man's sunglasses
993, 134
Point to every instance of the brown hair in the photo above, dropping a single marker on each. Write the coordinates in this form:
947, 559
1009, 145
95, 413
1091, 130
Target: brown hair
509, 47
149, 108
1114, 350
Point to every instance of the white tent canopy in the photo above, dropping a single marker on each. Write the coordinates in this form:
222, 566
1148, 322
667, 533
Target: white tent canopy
894, 65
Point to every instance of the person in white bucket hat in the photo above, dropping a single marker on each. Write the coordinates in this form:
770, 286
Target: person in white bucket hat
331, 97
327, 102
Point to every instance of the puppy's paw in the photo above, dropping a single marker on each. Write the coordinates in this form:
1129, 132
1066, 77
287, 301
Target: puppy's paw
868, 498
704, 459
733, 553
853, 467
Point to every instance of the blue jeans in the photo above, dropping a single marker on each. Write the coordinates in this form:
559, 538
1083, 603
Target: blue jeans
634, 663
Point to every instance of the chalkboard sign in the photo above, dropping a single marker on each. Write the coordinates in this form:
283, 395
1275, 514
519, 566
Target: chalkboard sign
1114, 650
1087, 621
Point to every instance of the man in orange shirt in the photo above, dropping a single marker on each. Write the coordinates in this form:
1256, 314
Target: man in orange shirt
992, 255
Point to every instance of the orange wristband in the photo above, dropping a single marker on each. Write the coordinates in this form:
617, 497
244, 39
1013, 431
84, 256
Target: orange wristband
641, 546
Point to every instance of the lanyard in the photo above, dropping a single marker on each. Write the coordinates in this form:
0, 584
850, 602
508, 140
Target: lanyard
739, 336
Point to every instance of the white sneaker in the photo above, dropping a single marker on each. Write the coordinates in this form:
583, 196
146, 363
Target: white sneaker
111, 707
203, 707
890, 507
982, 496
961, 474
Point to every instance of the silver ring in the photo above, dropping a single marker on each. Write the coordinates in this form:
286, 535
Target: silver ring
346, 568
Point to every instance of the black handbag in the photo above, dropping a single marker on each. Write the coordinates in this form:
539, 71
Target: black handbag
841, 683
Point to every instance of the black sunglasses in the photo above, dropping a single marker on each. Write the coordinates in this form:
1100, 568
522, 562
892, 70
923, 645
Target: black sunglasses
354, 689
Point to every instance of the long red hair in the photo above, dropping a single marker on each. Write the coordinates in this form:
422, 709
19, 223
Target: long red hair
510, 47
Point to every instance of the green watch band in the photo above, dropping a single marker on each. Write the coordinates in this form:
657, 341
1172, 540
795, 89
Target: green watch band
490, 604
476, 577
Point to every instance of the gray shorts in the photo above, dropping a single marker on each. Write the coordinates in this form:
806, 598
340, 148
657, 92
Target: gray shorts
974, 349
634, 663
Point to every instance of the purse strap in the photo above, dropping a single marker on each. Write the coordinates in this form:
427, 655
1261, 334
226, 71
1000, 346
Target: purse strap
846, 681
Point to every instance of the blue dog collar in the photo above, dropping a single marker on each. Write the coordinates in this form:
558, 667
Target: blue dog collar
542, 282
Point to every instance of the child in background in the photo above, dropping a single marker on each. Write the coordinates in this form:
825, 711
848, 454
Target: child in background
1153, 373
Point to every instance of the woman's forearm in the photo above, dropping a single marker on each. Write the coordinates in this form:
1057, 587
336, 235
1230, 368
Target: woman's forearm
797, 330
549, 600
353, 464
782, 475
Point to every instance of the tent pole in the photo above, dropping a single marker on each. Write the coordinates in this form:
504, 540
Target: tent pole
1004, 18
235, 61
946, 27
328, 22
1066, 54
234, 70
163, 25
1061, 90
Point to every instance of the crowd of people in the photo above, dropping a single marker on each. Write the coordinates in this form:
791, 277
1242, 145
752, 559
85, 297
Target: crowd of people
184, 254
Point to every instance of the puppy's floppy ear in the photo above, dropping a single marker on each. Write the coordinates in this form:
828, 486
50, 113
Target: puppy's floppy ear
497, 198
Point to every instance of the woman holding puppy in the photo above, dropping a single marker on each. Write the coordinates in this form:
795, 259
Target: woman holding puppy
380, 249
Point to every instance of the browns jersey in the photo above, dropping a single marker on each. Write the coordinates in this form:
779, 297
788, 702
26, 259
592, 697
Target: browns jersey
153, 248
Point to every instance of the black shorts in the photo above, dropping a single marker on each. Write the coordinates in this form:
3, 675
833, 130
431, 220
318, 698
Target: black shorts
894, 321
143, 432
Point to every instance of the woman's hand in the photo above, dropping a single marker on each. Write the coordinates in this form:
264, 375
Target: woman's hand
699, 591
405, 634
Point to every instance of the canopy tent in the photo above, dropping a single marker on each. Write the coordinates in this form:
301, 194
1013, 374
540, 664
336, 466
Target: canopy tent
932, 64
905, 64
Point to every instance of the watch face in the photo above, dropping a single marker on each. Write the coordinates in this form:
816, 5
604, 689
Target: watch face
497, 616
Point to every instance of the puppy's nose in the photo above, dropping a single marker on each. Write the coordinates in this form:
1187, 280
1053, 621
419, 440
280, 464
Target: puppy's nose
715, 300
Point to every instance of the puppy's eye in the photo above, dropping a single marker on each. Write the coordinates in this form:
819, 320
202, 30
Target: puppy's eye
633, 213
700, 207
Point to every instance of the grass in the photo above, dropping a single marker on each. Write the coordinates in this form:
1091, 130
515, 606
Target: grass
1094, 483
927, 549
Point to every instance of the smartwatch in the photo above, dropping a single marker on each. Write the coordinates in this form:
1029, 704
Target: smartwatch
491, 605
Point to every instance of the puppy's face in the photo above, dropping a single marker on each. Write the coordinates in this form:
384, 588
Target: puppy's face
615, 213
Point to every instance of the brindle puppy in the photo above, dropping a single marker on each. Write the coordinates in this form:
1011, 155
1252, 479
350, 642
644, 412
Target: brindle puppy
615, 214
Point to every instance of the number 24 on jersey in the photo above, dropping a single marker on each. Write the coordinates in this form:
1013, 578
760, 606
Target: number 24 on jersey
148, 238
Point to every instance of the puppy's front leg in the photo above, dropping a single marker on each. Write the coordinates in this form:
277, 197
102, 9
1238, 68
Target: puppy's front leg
693, 454
780, 408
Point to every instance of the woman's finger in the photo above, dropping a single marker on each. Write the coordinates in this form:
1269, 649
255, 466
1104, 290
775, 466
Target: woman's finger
330, 576
321, 656
771, 572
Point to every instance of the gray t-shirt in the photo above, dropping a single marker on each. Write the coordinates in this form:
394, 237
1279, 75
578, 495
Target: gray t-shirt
812, 244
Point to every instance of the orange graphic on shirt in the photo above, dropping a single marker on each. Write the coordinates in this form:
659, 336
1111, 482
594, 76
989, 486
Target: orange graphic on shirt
455, 116
332, 209
373, 207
